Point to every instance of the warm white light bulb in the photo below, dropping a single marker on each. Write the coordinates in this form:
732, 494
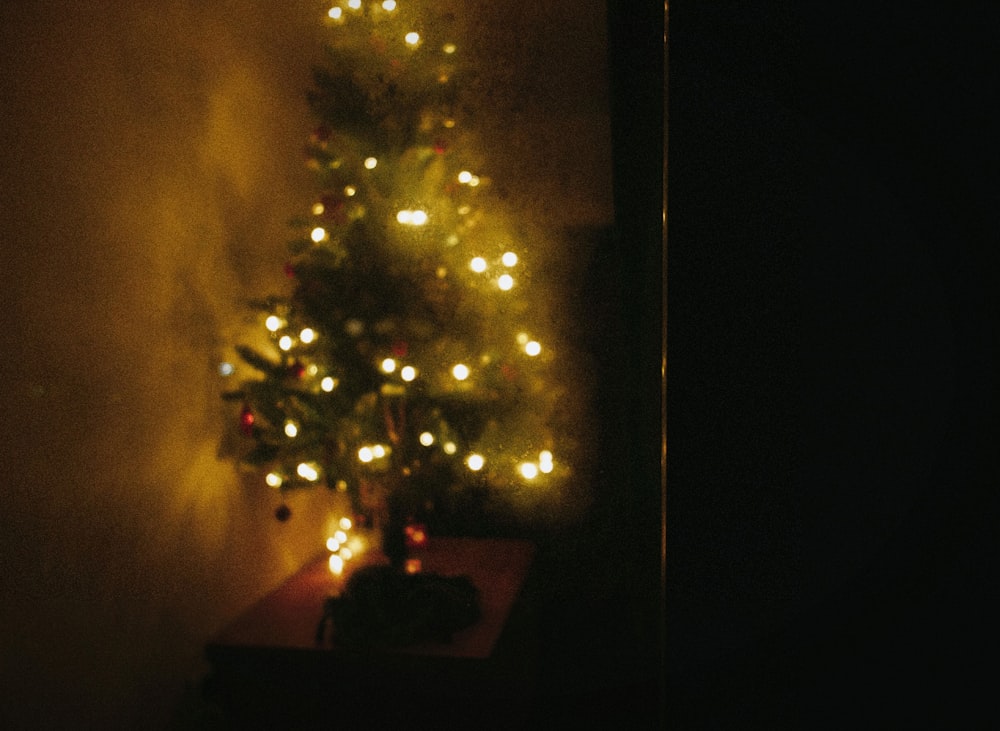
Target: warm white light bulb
226, 368
307, 335
505, 282
354, 4
350, 190
340, 536
529, 470
388, 365
408, 373
473, 181
335, 13
427, 439
464, 177
419, 218
370, 163
291, 429
475, 462
412, 38
328, 384
332, 544
478, 264
389, 5
307, 471
336, 564
273, 323
273, 479
378, 451
460, 371
532, 348
318, 209
545, 456
509, 259
448, 48
285, 343
345, 523
365, 454
545, 467
450, 448
318, 234
405, 216
346, 553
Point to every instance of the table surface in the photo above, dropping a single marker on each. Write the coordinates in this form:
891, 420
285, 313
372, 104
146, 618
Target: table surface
287, 618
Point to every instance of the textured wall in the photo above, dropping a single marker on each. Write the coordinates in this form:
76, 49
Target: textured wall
150, 155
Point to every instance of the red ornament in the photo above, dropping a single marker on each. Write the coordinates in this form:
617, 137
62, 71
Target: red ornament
297, 370
400, 348
246, 421
509, 372
289, 270
283, 513
440, 146
416, 535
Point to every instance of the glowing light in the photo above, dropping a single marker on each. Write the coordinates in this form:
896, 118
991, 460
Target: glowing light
345, 524
404, 216
413, 566
450, 448
389, 5
546, 467
419, 218
335, 13
336, 564
340, 536
307, 335
341, 486
522, 338
313, 369
529, 470
318, 234
505, 282
448, 123
408, 373
350, 190
478, 264
448, 48
464, 177
328, 384
285, 343
332, 544
273, 479
388, 365
460, 371
291, 429
346, 553
545, 461
274, 323
473, 181
412, 38
226, 369
475, 462
532, 348
427, 439
307, 471
318, 209
412, 218
370, 163
365, 454
354, 4
452, 240
509, 259
378, 451
462, 210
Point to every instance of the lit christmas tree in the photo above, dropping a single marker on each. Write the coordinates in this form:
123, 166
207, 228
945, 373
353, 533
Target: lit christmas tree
410, 366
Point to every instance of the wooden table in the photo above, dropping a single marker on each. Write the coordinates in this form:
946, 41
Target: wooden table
268, 668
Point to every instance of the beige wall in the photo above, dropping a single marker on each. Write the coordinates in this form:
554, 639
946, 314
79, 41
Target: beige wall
150, 155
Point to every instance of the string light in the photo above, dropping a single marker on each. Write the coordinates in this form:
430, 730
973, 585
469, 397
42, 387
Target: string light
529, 470
408, 373
365, 454
354, 4
460, 371
273, 479
475, 462
274, 323
448, 48
427, 439
328, 384
412, 38
389, 5
378, 451
318, 209
291, 429
336, 564
532, 348
388, 365
464, 177
350, 190
307, 335
285, 343
226, 368
509, 259
307, 471
505, 282
370, 163
450, 447
318, 234
478, 265
412, 218
332, 544
345, 523
335, 13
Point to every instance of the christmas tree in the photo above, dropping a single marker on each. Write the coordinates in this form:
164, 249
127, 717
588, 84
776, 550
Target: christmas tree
411, 366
